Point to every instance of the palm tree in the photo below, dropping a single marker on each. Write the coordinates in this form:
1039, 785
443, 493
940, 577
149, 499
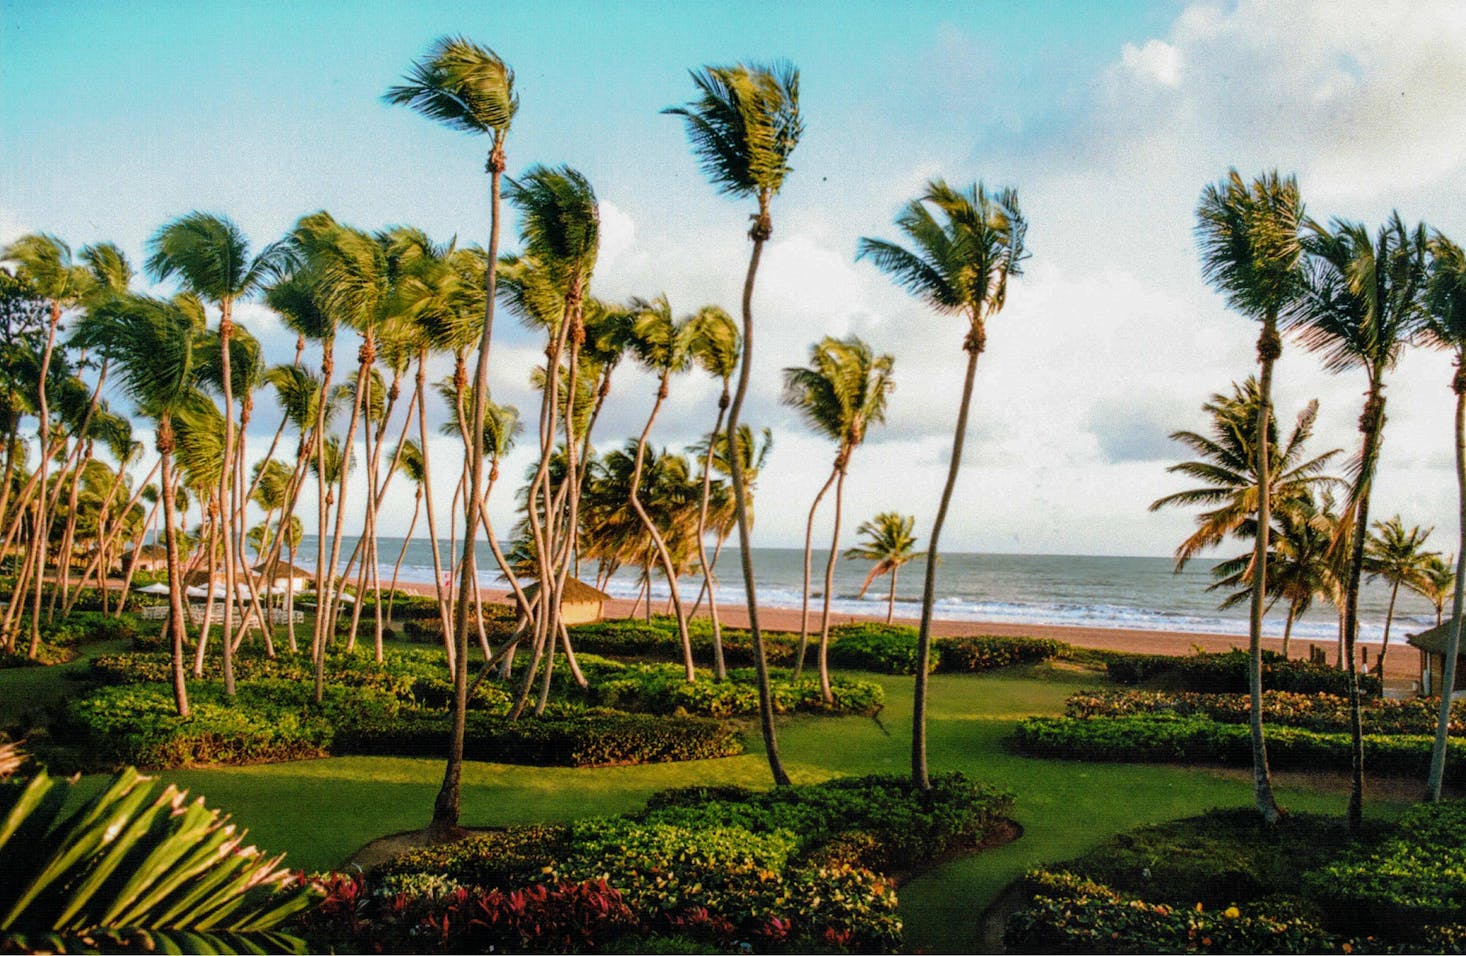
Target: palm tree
744, 126
1250, 250
1304, 562
1445, 327
1229, 465
45, 264
1360, 304
468, 88
411, 458
1436, 583
842, 393
1397, 556
715, 346
660, 343
153, 345
891, 545
962, 267
210, 255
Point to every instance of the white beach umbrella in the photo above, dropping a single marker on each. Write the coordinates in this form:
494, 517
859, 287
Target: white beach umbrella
156, 588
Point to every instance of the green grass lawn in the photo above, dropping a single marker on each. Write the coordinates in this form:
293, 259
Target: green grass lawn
321, 811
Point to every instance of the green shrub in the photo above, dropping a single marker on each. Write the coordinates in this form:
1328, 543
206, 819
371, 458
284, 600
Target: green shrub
1323, 712
592, 739
1416, 878
509, 857
909, 827
961, 655
1070, 914
1201, 740
891, 649
659, 639
1226, 673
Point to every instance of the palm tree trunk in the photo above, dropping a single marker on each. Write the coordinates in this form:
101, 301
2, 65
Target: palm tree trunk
226, 501
1268, 348
720, 668
808, 548
1370, 424
919, 774
200, 650
365, 356
1288, 625
661, 546
759, 233
175, 568
824, 660
427, 483
891, 599
1384, 647
323, 572
411, 527
42, 529
1453, 639
446, 807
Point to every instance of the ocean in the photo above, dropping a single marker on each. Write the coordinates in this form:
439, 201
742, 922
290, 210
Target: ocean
1140, 593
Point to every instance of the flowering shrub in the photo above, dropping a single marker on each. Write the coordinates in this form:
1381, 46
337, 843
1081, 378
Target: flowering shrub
1069, 914
1323, 712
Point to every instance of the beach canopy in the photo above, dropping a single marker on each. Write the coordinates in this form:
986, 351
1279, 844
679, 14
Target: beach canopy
156, 588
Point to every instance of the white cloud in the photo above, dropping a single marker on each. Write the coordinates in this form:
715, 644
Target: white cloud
1156, 61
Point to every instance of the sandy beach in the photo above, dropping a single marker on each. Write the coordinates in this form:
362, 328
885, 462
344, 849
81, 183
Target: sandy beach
1401, 663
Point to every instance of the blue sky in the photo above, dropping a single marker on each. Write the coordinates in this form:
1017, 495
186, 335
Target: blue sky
1108, 118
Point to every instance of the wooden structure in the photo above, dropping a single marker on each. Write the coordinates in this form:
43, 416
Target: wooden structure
580, 604
1432, 647
150, 557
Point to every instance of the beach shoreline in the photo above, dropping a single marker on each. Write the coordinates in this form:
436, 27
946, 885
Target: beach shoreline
1400, 664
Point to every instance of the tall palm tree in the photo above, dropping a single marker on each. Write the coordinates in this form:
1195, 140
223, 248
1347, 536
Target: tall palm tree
660, 344
153, 344
1445, 327
890, 545
210, 254
1250, 251
468, 88
1359, 306
960, 266
743, 126
1399, 557
1304, 562
715, 346
840, 394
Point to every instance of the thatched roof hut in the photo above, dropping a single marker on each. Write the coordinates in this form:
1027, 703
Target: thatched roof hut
580, 603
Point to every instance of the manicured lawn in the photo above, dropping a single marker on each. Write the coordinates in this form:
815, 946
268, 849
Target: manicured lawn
26, 691
323, 810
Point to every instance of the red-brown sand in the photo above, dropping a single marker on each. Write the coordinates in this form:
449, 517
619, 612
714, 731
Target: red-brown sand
1401, 663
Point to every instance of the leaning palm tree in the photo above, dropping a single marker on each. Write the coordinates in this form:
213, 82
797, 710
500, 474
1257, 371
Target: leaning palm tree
1359, 306
1445, 327
961, 265
840, 394
153, 346
1250, 250
466, 87
1304, 562
715, 346
1398, 557
211, 256
744, 126
890, 545
660, 344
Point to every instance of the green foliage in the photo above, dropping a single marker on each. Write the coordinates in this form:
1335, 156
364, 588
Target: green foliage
1070, 914
1416, 878
595, 738
664, 689
1322, 712
891, 649
906, 828
1159, 737
1226, 673
659, 638
128, 865
508, 857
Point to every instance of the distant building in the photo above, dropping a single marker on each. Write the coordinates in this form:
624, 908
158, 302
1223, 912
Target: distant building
580, 604
1432, 647
150, 557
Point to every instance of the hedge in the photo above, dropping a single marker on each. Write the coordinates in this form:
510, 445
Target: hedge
1226, 673
595, 738
1199, 740
664, 689
891, 649
1322, 712
659, 639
